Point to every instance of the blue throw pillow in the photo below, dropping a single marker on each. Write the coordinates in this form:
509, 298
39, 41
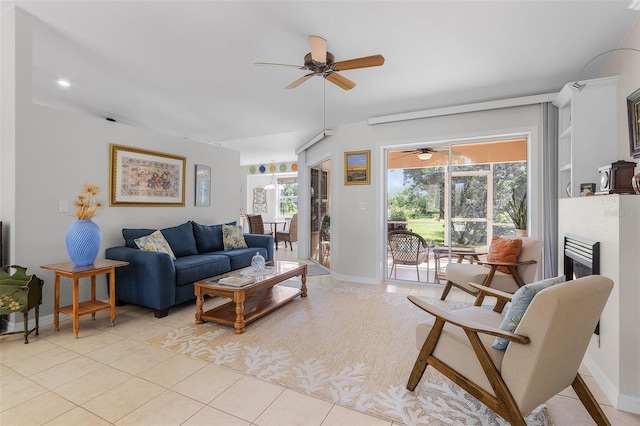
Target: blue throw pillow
519, 304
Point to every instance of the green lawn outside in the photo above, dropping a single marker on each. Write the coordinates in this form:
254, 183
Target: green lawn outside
430, 230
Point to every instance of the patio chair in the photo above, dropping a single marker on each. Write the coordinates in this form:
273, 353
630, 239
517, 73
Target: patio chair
407, 248
541, 359
256, 225
503, 276
290, 235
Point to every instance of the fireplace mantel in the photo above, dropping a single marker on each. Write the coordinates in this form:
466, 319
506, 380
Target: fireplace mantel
614, 221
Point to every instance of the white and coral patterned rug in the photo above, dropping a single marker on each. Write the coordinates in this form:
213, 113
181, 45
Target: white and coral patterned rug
349, 344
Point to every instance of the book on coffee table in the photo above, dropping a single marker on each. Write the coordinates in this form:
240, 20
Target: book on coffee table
235, 281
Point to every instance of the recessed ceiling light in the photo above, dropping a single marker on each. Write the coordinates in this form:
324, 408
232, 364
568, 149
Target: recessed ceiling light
63, 83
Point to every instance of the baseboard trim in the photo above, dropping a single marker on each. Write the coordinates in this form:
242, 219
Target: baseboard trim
630, 404
15, 324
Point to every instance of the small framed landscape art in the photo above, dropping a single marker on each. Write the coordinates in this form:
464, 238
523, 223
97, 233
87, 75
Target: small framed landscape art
633, 109
203, 186
357, 168
146, 178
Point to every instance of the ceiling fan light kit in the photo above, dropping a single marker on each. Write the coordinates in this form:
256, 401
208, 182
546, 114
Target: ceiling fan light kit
321, 63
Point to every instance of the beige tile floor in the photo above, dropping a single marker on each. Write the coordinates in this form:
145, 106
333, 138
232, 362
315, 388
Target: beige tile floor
111, 376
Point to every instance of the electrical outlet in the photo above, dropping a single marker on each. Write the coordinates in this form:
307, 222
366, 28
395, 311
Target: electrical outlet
63, 207
363, 205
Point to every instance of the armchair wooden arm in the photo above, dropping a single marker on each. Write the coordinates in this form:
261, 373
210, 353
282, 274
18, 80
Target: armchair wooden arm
484, 291
468, 326
512, 267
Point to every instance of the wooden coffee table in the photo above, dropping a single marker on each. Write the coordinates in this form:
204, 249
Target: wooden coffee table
252, 301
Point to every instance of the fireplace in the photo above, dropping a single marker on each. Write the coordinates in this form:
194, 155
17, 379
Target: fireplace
581, 258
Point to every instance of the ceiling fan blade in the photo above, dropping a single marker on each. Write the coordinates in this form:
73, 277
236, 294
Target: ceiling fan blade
260, 64
318, 49
364, 62
340, 81
299, 81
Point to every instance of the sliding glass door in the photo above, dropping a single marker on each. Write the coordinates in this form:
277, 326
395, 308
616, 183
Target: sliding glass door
455, 196
320, 217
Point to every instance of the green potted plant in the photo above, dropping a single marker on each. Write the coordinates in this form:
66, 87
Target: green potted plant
517, 211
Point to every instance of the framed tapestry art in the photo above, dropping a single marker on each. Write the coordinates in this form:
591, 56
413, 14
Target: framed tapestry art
633, 109
357, 168
146, 178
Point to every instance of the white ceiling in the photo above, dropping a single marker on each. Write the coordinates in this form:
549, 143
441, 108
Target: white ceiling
186, 68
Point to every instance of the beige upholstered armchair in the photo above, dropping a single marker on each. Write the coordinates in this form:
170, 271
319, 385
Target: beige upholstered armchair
521, 272
542, 357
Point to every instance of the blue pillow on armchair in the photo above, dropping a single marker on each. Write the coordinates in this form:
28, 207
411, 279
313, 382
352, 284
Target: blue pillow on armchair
519, 304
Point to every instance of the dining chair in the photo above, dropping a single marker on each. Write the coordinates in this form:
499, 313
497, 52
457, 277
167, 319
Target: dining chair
256, 225
290, 235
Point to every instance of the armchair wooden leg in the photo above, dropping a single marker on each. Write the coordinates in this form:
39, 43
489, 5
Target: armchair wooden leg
446, 290
423, 357
589, 402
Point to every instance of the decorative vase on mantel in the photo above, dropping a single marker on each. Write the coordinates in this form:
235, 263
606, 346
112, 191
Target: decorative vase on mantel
83, 242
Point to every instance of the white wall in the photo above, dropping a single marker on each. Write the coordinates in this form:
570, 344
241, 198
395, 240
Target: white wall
626, 65
613, 221
56, 152
357, 234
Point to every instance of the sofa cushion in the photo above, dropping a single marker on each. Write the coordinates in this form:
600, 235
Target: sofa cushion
155, 242
519, 304
232, 237
241, 258
190, 269
130, 236
181, 239
208, 237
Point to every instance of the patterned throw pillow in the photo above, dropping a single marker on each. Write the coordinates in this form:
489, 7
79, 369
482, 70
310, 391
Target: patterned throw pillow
519, 304
504, 250
155, 242
232, 237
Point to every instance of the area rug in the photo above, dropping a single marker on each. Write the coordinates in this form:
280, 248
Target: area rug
348, 344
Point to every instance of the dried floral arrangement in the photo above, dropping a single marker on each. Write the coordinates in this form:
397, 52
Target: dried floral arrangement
87, 203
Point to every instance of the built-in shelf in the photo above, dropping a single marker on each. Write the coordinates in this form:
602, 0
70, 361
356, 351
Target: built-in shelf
586, 133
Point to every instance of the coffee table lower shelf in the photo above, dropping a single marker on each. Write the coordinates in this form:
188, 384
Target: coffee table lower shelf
256, 306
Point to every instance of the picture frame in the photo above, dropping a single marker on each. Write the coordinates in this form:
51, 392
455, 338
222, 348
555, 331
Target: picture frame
143, 178
357, 167
633, 110
203, 186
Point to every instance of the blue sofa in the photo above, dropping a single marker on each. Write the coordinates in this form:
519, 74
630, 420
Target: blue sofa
154, 280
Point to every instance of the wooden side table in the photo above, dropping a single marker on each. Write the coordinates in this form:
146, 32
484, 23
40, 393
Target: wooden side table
77, 308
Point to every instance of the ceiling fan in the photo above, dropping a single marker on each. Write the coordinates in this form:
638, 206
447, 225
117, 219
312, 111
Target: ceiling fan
322, 64
427, 153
